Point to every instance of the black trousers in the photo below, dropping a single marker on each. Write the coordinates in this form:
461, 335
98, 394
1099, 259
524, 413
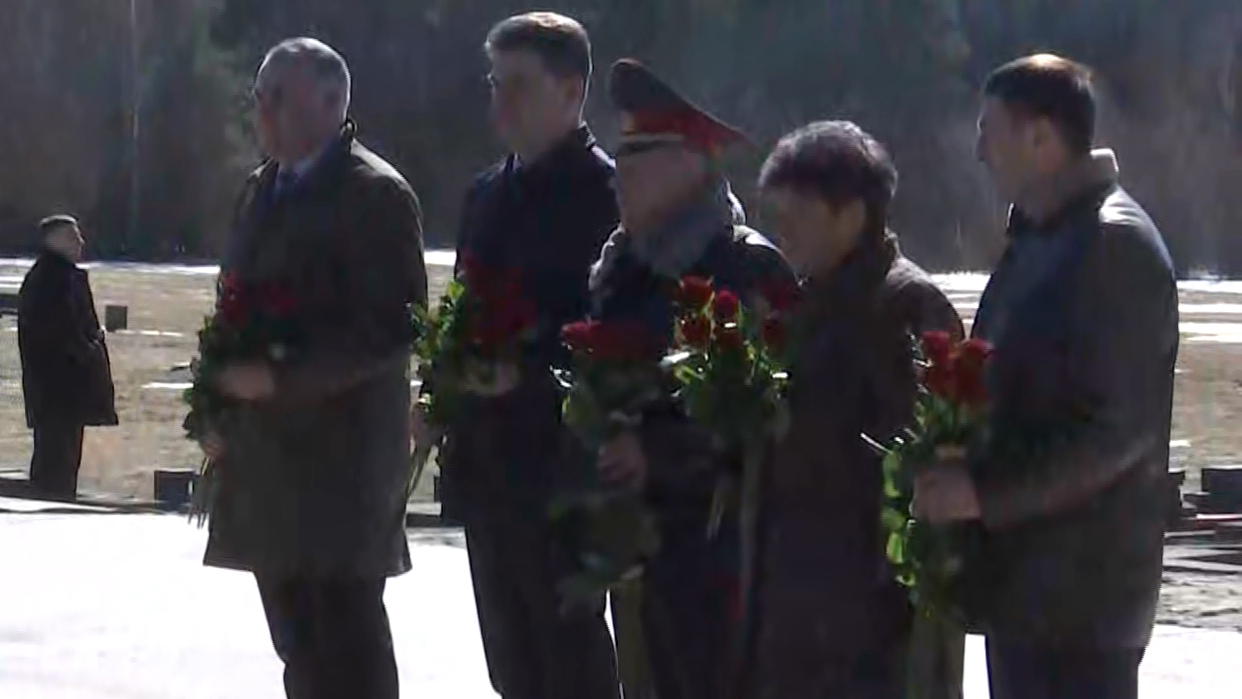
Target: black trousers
533, 650
690, 606
333, 637
1020, 672
56, 460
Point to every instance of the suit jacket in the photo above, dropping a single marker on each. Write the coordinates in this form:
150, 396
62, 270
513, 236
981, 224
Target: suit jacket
312, 481
1082, 312
547, 219
827, 598
66, 372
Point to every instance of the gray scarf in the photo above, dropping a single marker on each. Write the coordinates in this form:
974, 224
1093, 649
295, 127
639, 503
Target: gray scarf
671, 248
676, 245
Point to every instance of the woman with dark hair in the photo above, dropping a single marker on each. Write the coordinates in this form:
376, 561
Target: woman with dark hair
831, 621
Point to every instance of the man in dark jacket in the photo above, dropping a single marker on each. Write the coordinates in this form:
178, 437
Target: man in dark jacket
832, 620
1082, 313
678, 218
312, 466
544, 211
66, 374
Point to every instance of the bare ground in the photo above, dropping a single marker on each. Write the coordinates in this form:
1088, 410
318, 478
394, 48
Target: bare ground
119, 461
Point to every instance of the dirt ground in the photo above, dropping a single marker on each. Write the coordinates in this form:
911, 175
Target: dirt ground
166, 309
119, 461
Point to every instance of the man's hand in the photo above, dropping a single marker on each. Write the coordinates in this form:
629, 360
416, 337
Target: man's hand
945, 493
622, 460
212, 445
248, 381
501, 378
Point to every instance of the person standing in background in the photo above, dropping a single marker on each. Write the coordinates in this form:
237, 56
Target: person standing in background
312, 470
544, 211
1082, 313
66, 372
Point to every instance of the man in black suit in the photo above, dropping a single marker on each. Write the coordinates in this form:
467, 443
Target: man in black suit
66, 375
545, 210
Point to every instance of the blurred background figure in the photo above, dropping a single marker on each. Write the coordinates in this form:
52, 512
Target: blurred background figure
66, 373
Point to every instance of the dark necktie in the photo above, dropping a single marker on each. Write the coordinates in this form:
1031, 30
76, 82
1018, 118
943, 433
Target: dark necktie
286, 181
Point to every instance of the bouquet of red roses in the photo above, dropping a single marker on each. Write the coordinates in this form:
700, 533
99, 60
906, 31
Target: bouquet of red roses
482, 321
250, 323
615, 376
730, 372
927, 559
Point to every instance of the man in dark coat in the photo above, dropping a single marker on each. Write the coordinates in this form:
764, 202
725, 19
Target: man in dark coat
1082, 313
832, 620
543, 211
312, 467
66, 374
678, 218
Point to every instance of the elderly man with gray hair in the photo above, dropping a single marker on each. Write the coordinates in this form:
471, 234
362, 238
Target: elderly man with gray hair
312, 462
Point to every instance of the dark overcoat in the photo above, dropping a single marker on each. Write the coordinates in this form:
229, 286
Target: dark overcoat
547, 220
1083, 313
312, 482
66, 372
832, 620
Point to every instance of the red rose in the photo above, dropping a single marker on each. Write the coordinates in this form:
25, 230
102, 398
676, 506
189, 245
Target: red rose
730, 339
726, 306
577, 336
277, 300
968, 365
695, 293
696, 331
938, 347
621, 341
781, 296
774, 334
939, 381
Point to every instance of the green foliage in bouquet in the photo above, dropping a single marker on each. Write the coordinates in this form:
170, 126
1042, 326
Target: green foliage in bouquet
250, 323
928, 559
482, 319
616, 375
730, 372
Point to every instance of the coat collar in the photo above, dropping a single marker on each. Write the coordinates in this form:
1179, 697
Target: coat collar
1054, 195
576, 141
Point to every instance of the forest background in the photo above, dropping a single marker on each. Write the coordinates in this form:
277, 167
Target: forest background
132, 113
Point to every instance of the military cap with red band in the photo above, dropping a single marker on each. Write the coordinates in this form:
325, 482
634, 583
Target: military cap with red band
653, 113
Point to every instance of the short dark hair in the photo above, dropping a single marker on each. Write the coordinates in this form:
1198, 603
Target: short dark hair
837, 161
1050, 87
51, 224
560, 42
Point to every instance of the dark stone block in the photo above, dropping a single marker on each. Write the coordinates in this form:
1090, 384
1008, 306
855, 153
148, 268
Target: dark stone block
116, 318
1223, 485
8, 302
173, 487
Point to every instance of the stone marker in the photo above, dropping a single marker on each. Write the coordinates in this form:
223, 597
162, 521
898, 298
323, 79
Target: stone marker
8, 302
173, 487
116, 318
1223, 485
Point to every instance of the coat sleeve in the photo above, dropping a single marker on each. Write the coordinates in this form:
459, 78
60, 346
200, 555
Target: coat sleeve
382, 273
1118, 363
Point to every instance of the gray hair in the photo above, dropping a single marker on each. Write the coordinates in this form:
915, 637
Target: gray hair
327, 67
